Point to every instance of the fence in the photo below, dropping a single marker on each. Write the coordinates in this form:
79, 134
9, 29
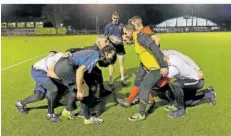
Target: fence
32, 31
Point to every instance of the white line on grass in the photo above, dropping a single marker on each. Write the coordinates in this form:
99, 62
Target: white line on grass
37, 57
22, 62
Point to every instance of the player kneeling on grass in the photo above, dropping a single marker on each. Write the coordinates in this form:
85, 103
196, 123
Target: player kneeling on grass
186, 77
71, 71
44, 85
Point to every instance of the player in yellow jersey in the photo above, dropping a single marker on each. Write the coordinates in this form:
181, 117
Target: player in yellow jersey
152, 67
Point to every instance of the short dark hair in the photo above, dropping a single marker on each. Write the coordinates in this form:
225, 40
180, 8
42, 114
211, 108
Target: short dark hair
108, 48
115, 13
130, 27
53, 52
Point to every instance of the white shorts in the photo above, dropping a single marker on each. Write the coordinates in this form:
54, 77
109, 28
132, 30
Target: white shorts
120, 57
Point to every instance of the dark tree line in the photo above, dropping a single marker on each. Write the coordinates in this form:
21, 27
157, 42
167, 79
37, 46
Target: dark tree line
96, 16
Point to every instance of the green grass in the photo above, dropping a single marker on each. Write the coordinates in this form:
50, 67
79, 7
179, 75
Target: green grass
210, 50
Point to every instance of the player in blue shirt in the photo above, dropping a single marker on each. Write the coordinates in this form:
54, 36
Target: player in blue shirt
71, 73
116, 28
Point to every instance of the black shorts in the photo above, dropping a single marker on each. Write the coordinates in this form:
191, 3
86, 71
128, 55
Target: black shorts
120, 49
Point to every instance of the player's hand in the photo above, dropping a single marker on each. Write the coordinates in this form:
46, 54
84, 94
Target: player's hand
80, 95
200, 74
66, 54
164, 72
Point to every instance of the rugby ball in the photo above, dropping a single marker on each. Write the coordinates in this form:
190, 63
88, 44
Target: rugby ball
115, 40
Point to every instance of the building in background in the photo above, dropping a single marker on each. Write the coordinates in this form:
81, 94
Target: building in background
186, 24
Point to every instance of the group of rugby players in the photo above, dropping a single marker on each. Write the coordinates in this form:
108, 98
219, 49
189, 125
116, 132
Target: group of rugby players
168, 74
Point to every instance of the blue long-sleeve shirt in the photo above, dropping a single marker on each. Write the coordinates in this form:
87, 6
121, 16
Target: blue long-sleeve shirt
114, 29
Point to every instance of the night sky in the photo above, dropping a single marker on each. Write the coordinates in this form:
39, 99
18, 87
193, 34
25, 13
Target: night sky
84, 15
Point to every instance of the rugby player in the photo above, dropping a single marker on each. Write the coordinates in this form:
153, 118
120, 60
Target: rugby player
45, 86
152, 65
116, 28
71, 72
96, 74
185, 76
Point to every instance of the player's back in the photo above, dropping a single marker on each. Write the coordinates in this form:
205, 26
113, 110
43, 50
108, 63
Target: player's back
185, 70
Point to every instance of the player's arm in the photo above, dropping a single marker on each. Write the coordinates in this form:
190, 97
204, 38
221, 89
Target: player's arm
147, 42
88, 65
79, 81
51, 72
156, 39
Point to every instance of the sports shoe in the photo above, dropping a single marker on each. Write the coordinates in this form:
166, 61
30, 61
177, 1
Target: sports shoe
124, 83
136, 117
123, 103
67, 114
177, 114
170, 108
93, 120
21, 108
53, 118
81, 114
211, 95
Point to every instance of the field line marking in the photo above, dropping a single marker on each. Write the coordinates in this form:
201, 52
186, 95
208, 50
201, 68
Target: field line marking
23, 61
36, 57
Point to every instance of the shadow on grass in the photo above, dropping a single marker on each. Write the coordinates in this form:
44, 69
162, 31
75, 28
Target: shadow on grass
111, 99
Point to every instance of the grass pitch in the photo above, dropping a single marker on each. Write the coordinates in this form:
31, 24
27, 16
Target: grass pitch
210, 50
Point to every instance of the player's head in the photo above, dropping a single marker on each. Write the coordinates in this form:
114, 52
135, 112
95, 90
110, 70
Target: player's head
137, 22
128, 32
52, 53
102, 41
108, 52
126, 40
115, 17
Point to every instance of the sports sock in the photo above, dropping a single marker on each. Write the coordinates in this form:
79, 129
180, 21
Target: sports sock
134, 92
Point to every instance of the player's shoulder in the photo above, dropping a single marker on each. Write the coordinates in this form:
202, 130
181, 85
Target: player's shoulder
108, 24
143, 38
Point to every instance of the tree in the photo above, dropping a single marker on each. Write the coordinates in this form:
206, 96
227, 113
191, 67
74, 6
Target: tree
55, 14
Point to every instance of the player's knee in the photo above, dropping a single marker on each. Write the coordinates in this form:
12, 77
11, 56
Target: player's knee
200, 84
39, 95
121, 62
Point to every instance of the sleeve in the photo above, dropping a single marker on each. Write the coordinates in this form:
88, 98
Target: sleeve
173, 72
141, 73
106, 30
147, 42
187, 59
91, 61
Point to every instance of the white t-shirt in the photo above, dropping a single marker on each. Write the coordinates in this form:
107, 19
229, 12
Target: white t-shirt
45, 63
180, 69
186, 58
